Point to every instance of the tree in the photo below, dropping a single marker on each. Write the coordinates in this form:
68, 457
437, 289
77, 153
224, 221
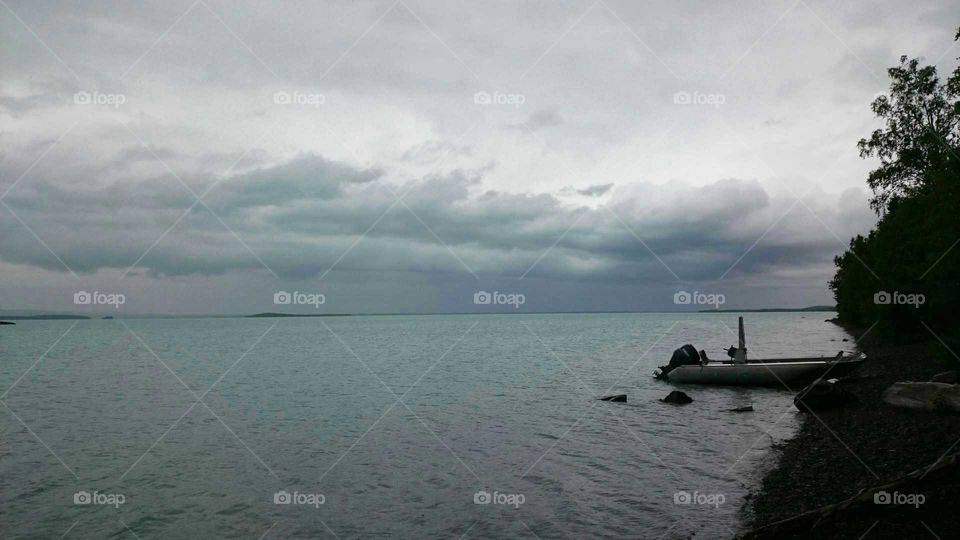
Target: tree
915, 247
922, 131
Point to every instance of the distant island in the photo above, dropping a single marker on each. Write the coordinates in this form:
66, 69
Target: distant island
272, 315
770, 310
45, 317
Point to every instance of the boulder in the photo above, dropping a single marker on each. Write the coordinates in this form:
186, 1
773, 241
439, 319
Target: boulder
949, 377
924, 396
677, 397
620, 398
822, 395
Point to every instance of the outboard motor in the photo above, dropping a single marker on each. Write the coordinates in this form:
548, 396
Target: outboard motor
684, 356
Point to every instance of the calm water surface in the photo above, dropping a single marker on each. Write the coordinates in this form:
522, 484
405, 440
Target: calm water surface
497, 404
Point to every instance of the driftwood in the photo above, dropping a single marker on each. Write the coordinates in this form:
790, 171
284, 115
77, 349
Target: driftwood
949, 377
924, 396
941, 471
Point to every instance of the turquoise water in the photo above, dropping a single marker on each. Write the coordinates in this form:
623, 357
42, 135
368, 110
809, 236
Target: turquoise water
500, 404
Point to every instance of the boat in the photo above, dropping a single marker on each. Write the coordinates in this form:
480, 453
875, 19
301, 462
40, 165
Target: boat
687, 366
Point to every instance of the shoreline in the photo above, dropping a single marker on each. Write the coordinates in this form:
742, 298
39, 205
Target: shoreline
836, 454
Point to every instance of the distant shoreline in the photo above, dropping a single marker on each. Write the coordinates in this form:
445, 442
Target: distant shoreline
771, 310
284, 315
71, 316
46, 317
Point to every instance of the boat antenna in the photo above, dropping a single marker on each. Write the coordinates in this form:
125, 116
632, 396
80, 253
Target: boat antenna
741, 356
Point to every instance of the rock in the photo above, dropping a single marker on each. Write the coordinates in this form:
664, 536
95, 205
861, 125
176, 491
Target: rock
924, 396
949, 377
620, 398
748, 408
677, 397
822, 395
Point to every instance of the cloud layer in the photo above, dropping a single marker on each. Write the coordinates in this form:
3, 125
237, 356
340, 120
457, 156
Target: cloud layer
379, 169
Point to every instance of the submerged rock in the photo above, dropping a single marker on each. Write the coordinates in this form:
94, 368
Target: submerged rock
622, 398
822, 395
677, 397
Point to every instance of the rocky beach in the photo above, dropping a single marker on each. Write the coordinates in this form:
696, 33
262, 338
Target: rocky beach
838, 454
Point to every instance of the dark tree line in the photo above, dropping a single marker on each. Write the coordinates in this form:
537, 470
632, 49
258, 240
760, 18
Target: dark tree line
915, 247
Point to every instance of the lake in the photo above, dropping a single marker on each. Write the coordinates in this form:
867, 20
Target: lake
473, 426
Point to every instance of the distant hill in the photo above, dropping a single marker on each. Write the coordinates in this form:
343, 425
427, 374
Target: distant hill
45, 317
271, 315
771, 310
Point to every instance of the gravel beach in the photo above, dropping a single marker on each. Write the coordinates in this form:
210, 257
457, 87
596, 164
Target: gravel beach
838, 453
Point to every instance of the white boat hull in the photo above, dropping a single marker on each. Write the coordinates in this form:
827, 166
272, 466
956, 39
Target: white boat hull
786, 372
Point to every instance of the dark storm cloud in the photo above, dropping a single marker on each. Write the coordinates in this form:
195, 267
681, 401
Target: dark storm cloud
299, 216
595, 190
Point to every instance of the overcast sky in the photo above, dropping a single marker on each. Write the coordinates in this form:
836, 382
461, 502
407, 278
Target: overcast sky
199, 157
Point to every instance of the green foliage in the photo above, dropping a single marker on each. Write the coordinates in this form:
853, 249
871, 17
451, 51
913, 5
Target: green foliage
915, 248
921, 134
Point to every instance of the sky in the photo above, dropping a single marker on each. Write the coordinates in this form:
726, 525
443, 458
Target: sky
229, 157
